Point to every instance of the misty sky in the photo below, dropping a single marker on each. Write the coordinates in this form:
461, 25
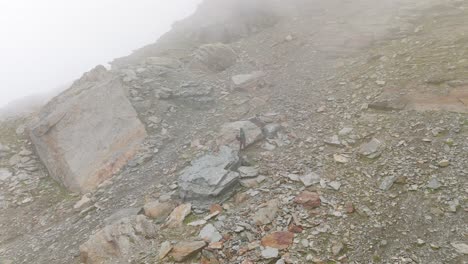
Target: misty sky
45, 44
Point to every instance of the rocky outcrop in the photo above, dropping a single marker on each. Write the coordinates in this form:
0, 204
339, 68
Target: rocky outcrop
215, 21
210, 177
87, 133
117, 242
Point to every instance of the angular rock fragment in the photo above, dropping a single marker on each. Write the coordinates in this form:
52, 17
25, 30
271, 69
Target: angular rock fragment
229, 132
371, 149
165, 248
85, 200
308, 199
248, 172
333, 141
387, 183
269, 253
210, 177
184, 250
278, 240
340, 158
210, 234
444, 163
461, 248
87, 133
434, 184
310, 179
214, 57
118, 242
271, 130
178, 215
345, 131
267, 214
157, 210
248, 82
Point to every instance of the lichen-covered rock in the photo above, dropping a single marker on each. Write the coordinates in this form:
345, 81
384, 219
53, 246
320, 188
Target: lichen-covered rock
87, 133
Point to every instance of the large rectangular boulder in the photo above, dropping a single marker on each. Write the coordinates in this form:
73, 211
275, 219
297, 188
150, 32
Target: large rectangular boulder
87, 133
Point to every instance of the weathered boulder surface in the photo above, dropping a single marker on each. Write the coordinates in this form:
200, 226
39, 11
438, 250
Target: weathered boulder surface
118, 242
87, 133
214, 57
229, 131
210, 177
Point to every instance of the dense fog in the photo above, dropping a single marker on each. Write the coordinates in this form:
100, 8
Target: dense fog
45, 45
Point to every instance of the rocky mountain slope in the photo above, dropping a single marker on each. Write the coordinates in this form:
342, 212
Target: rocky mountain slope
355, 115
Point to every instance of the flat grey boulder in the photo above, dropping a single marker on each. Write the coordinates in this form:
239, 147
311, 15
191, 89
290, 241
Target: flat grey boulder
229, 131
87, 133
210, 177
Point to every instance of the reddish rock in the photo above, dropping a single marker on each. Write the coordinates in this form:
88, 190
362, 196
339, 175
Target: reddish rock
349, 208
279, 240
308, 199
184, 250
295, 229
215, 208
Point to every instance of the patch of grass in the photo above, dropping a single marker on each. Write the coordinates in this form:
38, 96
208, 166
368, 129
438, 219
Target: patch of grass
376, 259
